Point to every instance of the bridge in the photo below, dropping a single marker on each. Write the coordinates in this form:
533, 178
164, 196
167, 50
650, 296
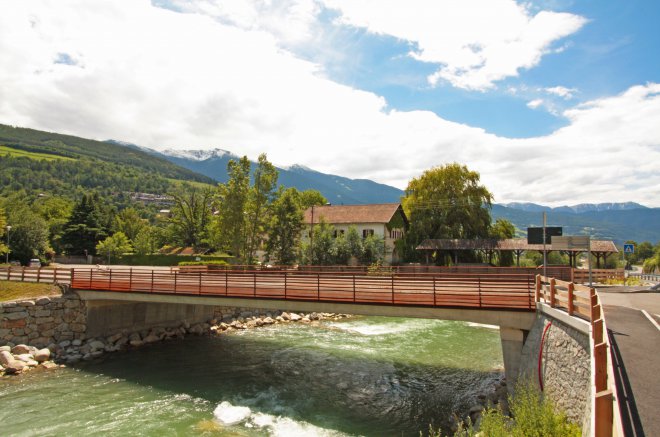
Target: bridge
511, 298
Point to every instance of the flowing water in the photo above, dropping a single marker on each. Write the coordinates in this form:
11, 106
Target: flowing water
369, 376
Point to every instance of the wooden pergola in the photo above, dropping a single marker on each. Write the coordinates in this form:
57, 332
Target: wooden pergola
601, 249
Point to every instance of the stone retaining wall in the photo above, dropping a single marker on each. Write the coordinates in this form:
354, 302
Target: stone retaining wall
43, 321
51, 320
566, 368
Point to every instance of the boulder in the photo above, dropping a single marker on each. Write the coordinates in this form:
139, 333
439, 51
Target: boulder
113, 338
20, 349
76, 342
136, 343
294, 317
65, 344
151, 338
42, 355
305, 319
48, 365
5, 349
134, 337
286, 316
15, 366
268, 321
6, 358
43, 301
96, 345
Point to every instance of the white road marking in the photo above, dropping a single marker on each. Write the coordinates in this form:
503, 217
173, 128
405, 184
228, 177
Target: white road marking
651, 319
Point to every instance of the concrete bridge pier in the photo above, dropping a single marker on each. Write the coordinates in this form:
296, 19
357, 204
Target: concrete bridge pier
512, 340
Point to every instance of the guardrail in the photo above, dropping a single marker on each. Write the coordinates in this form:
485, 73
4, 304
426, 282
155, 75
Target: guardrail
36, 274
646, 276
584, 302
513, 291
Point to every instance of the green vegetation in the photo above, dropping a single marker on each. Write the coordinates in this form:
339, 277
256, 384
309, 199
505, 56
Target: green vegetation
167, 260
445, 202
533, 415
16, 153
40, 162
12, 290
114, 246
220, 263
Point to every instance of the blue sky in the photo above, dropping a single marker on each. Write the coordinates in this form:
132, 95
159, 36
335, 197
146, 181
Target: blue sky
555, 102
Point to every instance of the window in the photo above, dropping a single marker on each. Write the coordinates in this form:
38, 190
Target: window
396, 234
367, 232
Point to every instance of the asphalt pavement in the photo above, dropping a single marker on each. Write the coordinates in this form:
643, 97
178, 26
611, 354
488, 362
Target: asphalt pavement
636, 351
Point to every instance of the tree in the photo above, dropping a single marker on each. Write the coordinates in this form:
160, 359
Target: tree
129, 222
445, 202
503, 229
113, 246
320, 252
285, 227
311, 197
147, 241
354, 241
373, 248
341, 250
86, 227
56, 211
3, 232
259, 201
191, 215
29, 234
228, 228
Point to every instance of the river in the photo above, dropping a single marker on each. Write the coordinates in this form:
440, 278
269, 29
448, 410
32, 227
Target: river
370, 376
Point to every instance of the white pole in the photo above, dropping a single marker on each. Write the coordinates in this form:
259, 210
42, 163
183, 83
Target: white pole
545, 260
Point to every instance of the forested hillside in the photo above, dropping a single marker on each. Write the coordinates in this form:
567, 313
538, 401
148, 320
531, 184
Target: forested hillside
37, 162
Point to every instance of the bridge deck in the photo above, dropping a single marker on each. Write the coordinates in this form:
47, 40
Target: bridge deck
494, 291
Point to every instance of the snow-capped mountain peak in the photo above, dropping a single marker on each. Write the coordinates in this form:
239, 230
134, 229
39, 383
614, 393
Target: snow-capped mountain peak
197, 155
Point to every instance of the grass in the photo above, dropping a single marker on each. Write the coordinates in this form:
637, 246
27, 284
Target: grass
533, 415
195, 184
12, 290
17, 153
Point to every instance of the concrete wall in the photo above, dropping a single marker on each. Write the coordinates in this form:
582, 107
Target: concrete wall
566, 365
110, 317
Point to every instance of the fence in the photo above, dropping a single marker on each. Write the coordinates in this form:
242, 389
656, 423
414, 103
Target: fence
598, 275
512, 291
36, 274
584, 302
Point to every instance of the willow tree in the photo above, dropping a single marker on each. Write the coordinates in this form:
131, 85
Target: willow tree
445, 202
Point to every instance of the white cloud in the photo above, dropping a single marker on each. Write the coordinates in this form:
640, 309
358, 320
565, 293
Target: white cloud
563, 92
476, 42
173, 80
533, 104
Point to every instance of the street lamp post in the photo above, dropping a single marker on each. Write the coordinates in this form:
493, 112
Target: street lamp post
8, 227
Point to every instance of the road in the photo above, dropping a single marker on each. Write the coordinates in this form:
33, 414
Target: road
636, 351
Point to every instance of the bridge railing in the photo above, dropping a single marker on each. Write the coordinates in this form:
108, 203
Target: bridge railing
510, 291
36, 274
584, 302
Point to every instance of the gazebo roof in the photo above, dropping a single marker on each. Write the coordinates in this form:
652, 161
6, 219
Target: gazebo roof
605, 246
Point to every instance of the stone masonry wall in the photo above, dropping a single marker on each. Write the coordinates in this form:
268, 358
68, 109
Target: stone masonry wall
566, 369
43, 321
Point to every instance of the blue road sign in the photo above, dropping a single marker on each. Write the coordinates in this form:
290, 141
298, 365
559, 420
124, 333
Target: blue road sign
628, 248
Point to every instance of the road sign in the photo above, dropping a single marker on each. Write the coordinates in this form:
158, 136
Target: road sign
570, 242
535, 235
628, 248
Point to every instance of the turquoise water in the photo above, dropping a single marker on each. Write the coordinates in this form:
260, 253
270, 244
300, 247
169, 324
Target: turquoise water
363, 376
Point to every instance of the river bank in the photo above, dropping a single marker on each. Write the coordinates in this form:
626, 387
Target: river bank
369, 376
18, 358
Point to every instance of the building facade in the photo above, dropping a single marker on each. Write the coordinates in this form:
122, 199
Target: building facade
385, 220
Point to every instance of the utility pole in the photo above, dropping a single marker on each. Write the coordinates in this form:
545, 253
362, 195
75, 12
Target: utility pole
311, 238
545, 257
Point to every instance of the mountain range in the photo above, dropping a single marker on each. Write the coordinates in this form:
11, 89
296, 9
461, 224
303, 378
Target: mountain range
616, 221
44, 162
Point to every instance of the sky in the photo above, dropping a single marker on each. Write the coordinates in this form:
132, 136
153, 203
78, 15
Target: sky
551, 101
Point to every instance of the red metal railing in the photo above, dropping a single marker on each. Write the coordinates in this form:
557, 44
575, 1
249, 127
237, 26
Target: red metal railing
504, 291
